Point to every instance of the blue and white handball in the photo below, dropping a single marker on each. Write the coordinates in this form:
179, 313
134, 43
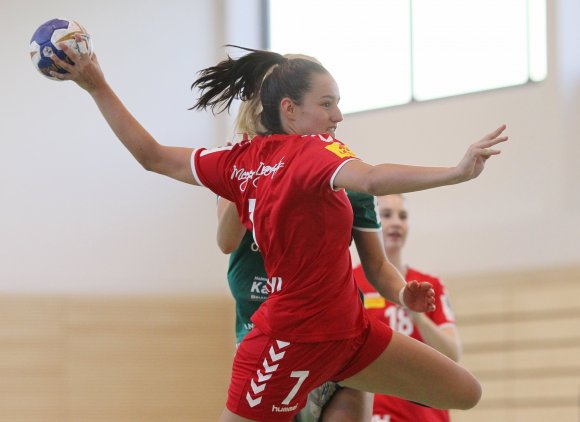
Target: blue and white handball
43, 44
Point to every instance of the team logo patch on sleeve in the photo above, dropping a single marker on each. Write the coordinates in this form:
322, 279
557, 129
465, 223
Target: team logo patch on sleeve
374, 301
340, 150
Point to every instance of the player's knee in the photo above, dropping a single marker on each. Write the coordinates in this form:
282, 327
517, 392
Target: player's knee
470, 395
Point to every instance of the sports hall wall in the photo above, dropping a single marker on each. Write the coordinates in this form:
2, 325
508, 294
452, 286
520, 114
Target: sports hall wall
113, 300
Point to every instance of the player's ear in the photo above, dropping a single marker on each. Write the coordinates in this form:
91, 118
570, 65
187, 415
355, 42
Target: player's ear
287, 108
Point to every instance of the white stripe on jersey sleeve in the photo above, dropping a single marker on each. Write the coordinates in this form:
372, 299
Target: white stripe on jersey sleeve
205, 152
193, 169
218, 149
336, 172
377, 212
366, 229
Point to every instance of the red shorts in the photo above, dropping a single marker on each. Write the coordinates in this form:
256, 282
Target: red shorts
271, 378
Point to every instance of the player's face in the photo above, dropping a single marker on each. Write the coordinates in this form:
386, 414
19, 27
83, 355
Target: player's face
319, 112
394, 220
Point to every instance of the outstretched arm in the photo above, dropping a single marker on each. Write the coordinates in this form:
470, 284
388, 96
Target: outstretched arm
230, 229
86, 72
385, 278
385, 179
443, 339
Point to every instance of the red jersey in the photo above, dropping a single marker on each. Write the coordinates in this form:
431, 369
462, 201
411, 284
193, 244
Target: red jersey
282, 186
394, 409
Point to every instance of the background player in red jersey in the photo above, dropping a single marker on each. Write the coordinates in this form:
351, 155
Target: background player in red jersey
435, 328
288, 188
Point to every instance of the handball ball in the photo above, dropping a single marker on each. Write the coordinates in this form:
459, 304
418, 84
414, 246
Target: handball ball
45, 39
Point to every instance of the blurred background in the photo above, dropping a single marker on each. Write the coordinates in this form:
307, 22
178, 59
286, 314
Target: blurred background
113, 298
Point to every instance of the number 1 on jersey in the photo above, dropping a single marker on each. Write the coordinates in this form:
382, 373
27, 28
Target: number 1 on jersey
251, 208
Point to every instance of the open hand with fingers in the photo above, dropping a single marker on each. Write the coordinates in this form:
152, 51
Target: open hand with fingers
418, 297
474, 160
84, 68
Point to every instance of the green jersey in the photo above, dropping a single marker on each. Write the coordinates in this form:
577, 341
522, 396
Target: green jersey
246, 274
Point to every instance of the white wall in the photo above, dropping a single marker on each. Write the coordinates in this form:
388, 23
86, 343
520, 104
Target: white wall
78, 215
524, 211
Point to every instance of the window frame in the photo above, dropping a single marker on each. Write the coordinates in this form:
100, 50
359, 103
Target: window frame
530, 80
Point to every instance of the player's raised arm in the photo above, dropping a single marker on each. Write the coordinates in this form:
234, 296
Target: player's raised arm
384, 179
230, 230
86, 72
386, 279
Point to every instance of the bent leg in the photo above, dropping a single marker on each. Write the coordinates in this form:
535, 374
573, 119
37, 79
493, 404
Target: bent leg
348, 405
414, 371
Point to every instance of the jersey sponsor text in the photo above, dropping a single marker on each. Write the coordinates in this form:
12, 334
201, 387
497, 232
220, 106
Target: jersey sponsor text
245, 176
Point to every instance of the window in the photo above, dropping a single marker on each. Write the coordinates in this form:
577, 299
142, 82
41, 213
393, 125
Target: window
389, 52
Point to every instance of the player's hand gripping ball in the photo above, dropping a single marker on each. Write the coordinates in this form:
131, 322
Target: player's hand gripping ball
45, 39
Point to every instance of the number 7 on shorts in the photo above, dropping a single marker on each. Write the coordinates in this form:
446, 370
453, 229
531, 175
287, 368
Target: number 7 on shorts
301, 375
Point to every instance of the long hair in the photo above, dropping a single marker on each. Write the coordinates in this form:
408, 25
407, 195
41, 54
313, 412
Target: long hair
260, 79
248, 118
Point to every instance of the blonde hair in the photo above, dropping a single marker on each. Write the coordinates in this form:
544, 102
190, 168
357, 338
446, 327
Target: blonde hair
247, 121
